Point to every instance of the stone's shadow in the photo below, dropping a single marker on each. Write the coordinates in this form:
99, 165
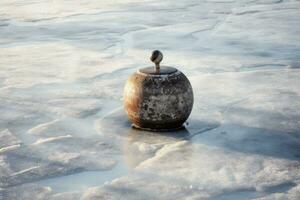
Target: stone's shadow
250, 140
278, 121
146, 136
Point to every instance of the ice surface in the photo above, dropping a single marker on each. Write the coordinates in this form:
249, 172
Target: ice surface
63, 131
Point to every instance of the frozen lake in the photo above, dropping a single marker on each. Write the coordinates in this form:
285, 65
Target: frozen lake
65, 136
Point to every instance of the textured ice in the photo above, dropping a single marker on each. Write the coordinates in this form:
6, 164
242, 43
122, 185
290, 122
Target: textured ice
63, 131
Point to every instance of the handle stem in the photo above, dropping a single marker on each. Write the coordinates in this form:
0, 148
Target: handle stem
156, 57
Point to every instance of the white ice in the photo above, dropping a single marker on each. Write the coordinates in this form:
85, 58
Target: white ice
63, 131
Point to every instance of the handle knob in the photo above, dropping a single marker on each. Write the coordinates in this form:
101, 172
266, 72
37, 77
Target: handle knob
156, 57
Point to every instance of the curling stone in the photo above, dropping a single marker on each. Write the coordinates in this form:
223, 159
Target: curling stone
158, 98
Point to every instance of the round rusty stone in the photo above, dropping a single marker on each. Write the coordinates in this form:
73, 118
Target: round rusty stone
156, 99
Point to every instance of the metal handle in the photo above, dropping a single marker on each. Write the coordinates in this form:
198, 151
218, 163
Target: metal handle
156, 57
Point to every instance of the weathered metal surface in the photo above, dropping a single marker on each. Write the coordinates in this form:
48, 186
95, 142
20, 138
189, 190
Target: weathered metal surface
158, 100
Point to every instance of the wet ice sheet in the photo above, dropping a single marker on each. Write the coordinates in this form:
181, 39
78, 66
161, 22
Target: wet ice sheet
62, 70
84, 180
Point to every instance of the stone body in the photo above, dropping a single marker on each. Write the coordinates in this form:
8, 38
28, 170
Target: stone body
158, 99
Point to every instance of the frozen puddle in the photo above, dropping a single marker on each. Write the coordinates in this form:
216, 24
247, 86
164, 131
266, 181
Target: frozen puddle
84, 180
